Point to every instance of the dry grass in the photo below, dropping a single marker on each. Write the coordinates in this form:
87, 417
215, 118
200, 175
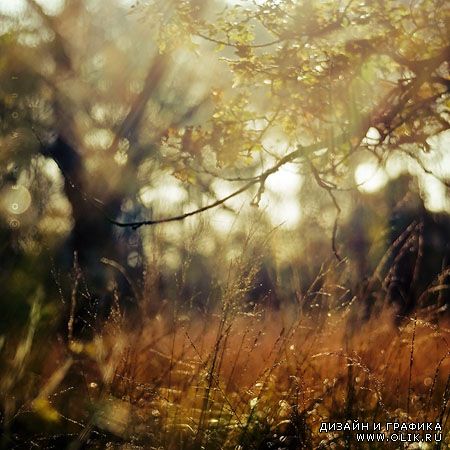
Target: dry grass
233, 378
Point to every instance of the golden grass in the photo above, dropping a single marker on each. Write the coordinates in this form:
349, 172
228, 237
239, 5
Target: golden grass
249, 379
233, 378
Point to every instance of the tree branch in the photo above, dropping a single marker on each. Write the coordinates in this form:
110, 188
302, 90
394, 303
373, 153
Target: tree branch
235, 45
260, 179
138, 224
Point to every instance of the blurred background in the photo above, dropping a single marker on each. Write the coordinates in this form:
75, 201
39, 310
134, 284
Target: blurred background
115, 111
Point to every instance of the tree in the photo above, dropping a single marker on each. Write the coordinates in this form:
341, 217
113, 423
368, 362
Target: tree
335, 82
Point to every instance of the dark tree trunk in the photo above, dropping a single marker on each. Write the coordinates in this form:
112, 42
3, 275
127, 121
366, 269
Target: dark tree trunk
92, 238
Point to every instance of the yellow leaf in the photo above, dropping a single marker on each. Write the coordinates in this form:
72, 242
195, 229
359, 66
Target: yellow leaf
44, 409
91, 349
76, 346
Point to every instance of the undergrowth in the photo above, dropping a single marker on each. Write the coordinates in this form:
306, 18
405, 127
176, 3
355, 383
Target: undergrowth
236, 377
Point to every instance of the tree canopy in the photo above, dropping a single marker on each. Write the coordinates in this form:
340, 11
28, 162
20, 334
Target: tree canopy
96, 116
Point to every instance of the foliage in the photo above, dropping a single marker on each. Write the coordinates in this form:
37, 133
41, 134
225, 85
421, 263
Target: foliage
334, 80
